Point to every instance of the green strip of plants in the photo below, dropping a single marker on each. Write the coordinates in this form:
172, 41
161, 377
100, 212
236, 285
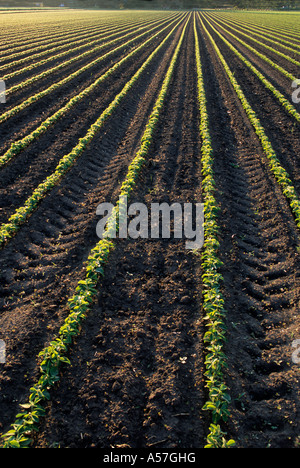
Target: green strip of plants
213, 301
33, 99
9, 229
276, 168
84, 40
19, 145
90, 51
265, 35
265, 46
79, 44
54, 355
282, 70
290, 109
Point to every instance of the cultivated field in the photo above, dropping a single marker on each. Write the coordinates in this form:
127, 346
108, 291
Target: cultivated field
140, 342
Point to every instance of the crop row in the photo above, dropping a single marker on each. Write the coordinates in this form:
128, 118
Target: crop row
213, 300
289, 108
17, 58
70, 61
272, 28
211, 278
271, 49
33, 99
53, 356
279, 68
276, 168
264, 35
66, 41
40, 43
9, 229
23, 143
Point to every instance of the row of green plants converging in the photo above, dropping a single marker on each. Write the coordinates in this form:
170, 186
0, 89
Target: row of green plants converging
265, 46
19, 145
289, 108
56, 354
213, 300
264, 35
20, 38
34, 98
280, 32
34, 45
105, 42
9, 229
62, 43
276, 168
278, 67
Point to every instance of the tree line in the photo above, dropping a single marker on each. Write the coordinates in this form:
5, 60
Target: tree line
186, 4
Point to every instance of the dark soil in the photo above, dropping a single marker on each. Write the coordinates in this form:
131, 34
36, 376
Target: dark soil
259, 249
137, 369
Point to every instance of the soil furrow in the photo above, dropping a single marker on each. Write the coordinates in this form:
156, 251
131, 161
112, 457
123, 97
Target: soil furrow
47, 256
42, 106
271, 114
40, 159
137, 375
264, 238
143, 385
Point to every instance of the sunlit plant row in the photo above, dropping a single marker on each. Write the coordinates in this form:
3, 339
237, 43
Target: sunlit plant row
9, 229
276, 168
18, 146
53, 356
213, 300
289, 108
28, 81
273, 64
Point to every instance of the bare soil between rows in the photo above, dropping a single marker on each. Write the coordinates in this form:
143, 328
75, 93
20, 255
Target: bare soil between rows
136, 378
259, 246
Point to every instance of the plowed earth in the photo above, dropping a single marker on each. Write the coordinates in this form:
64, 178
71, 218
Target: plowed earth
137, 370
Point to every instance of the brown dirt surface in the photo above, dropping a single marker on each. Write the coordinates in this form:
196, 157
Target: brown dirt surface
136, 378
